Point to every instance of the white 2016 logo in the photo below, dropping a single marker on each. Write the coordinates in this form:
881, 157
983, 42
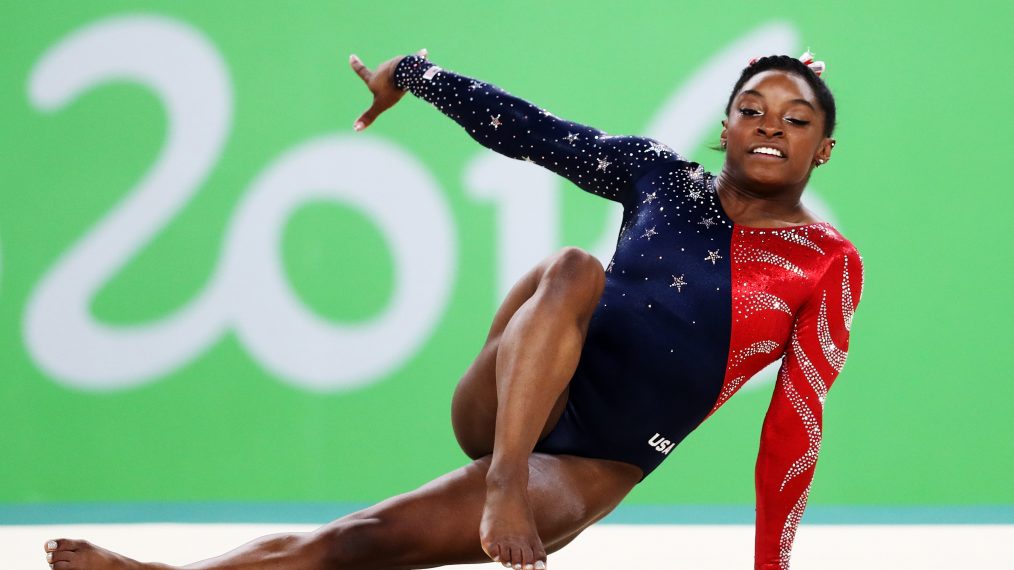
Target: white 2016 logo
248, 291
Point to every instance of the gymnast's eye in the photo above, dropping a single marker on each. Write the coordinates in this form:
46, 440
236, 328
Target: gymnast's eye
748, 111
799, 122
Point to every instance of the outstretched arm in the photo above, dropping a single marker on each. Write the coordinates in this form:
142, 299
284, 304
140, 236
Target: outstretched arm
790, 438
596, 162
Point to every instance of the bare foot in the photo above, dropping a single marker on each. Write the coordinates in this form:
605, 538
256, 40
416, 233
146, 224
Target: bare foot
507, 530
67, 554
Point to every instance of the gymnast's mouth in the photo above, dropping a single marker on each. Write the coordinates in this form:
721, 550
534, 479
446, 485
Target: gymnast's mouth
767, 151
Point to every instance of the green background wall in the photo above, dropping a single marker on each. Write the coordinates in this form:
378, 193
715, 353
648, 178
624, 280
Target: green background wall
920, 416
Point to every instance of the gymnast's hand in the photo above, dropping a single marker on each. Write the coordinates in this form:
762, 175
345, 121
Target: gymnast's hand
381, 84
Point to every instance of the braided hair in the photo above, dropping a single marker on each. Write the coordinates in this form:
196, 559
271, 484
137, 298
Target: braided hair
791, 65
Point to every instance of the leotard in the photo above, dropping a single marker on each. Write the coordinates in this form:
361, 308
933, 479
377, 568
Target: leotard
694, 304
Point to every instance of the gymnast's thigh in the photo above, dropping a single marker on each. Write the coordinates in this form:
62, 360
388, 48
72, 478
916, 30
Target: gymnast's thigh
474, 406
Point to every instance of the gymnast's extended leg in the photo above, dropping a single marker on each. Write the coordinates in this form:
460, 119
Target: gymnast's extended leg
434, 525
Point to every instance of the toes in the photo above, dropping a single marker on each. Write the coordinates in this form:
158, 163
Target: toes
528, 557
62, 544
517, 556
492, 550
60, 556
499, 553
61, 553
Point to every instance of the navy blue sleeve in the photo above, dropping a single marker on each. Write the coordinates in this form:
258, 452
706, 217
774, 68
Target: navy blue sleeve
602, 164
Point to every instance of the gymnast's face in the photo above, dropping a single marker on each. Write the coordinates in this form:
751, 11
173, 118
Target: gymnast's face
774, 132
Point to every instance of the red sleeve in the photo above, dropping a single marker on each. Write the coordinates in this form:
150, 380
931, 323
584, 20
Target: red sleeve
790, 438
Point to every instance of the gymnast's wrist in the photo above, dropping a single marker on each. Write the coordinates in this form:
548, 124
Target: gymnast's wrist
409, 70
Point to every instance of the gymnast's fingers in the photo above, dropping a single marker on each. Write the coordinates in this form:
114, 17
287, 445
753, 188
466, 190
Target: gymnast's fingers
367, 118
361, 70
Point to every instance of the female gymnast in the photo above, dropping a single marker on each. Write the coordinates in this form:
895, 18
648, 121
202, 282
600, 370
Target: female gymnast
589, 378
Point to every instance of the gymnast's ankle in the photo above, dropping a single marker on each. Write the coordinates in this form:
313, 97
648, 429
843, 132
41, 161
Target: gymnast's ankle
503, 475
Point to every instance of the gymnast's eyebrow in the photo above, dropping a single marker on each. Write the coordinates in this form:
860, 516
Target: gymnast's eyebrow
758, 93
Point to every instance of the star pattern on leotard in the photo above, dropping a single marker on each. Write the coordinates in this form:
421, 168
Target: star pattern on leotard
713, 256
657, 148
678, 282
571, 137
649, 198
603, 164
474, 85
707, 222
649, 233
694, 194
494, 121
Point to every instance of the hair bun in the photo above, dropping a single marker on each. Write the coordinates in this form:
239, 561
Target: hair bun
818, 67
